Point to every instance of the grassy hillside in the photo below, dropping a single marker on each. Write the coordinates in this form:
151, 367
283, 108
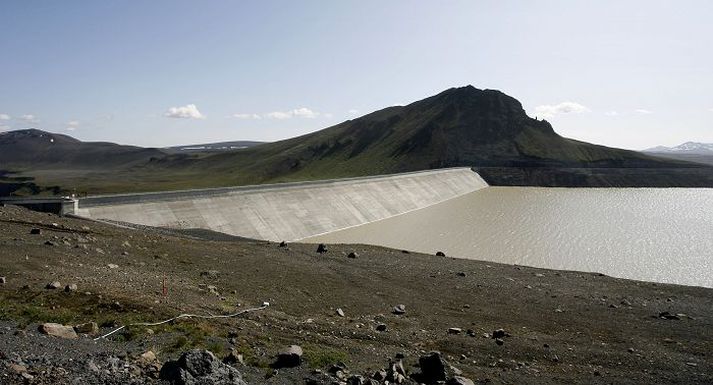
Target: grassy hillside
463, 126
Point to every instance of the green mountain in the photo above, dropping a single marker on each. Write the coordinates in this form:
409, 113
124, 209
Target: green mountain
466, 126
485, 129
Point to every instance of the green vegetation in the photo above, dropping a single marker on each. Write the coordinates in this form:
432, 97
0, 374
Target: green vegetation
320, 356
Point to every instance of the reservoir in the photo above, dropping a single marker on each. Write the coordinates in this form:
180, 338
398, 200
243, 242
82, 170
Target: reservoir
650, 234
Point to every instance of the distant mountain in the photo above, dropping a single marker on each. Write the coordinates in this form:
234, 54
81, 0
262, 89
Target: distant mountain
37, 149
689, 151
685, 148
212, 147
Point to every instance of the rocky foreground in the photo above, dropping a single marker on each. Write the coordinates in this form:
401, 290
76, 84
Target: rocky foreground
350, 314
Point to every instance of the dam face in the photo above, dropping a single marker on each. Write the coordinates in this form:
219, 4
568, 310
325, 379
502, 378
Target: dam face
289, 211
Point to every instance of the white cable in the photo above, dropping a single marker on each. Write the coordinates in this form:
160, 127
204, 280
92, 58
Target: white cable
265, 305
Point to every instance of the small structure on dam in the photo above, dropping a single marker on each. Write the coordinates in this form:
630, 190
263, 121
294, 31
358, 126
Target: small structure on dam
289, 211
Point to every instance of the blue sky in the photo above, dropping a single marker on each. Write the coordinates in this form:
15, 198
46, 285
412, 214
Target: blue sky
632, 74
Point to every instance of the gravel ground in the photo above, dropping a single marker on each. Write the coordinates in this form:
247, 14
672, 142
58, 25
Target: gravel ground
561, 327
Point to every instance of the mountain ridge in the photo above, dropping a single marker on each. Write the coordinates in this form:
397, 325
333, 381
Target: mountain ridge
486, 130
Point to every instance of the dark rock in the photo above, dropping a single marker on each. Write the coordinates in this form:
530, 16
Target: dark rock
381, 327
356, 380
283, 244
440, 254
50, 243
499, 333
379, 375
669, 316
53, 285
433, 368
353, 255
234, 358
499, 341
71, 287
461, 274
200, 367
87, 328
321, 248
289, 357
399, 309
3, 280
36, 231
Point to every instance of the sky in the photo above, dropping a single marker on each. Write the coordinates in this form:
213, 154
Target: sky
631, 74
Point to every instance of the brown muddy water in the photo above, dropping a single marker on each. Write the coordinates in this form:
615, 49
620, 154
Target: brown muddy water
650, 234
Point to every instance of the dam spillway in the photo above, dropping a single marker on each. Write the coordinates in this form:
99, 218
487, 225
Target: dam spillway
289, 211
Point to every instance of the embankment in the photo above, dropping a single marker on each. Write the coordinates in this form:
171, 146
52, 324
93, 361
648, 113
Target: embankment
289, 211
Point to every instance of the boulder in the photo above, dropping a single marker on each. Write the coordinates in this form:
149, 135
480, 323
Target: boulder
53, 285
200, 367
87, 328
36, 231
71, 287
454, 330
433, 368
340, 312
147, 357
289, 357
499, 333
3, 280
234, 358
353, 255
440, 254
399, 309
112, 266
322, 248
57, 330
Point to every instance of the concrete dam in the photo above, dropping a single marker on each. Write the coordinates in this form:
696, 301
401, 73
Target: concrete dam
287, 211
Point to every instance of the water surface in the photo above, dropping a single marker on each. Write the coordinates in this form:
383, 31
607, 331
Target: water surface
651, 234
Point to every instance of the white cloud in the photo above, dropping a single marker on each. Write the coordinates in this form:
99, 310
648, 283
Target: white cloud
611, 113
189, 111
710, 109
549, 111
353, 111
4, 117
278, 115
247, 116
302, 112
643, 111
29, 118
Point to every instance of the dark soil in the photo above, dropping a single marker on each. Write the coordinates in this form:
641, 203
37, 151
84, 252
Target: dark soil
562, 327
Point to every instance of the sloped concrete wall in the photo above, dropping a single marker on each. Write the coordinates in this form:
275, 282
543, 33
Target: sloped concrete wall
290, 211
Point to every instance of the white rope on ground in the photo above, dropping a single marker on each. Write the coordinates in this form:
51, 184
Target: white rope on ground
264, 306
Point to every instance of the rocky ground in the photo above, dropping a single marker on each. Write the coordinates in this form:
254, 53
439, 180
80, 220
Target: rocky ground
491, 323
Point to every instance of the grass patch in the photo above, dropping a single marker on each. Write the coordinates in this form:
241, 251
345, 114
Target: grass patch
322, 356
